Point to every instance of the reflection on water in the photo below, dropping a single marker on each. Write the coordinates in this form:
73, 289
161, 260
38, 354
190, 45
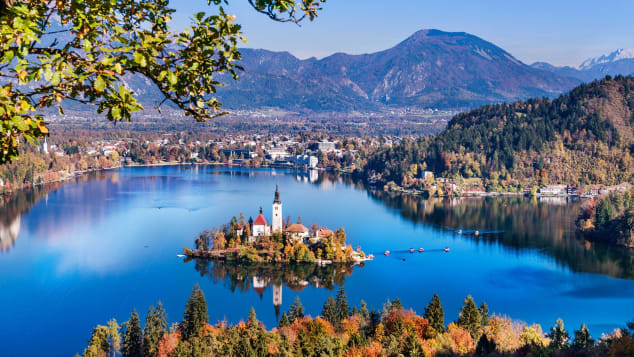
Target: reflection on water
13, 206
517, 223
259, 277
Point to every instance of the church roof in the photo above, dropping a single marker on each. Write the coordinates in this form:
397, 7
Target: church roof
324, 232
297, 228
261, 221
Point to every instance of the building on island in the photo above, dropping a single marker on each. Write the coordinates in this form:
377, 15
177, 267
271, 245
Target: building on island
261, 226
276, 224
297, 232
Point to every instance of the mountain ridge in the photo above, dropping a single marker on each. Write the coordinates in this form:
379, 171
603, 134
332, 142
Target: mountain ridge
431, 69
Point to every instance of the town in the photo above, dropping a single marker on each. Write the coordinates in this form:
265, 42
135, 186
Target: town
257, 241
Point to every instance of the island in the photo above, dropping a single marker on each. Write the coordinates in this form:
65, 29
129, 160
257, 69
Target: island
257, 241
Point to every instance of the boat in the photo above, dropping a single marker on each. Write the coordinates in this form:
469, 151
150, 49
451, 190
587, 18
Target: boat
447, 249
180, 255
420, 250
476, 233
460, 231
411, 250
387, 253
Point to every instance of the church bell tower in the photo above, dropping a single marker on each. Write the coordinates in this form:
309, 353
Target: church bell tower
276, 224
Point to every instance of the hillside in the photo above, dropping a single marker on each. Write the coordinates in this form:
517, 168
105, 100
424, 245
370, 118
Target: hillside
583, 137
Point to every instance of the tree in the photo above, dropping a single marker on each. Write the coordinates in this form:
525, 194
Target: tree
252, 321
435, 314
132, 337
484, 312
470, 318
195, 317
284, 321
329, 312
559, 336
342, 310
155, 328
98, 345
396, 305
583, 341
297, 310
412, 346
54, 52
113, 337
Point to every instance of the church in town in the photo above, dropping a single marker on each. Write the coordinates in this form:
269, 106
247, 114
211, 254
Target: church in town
297, 232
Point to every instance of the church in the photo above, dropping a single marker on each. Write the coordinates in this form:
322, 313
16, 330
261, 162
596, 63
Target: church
261, 228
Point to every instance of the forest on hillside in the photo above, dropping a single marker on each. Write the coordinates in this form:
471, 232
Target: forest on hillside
583, 137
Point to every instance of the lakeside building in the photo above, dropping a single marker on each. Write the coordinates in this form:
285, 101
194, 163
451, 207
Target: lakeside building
326, 146
553, 190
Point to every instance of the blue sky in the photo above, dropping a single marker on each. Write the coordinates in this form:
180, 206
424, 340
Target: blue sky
562, 32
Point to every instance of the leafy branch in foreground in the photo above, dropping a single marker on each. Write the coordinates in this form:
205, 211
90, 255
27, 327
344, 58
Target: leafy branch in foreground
54, 52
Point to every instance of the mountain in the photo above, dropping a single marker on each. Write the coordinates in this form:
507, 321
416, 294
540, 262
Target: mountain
615, 56
618, 62
585, 136
431, 68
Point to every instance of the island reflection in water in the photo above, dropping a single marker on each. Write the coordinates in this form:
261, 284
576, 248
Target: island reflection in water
259, 277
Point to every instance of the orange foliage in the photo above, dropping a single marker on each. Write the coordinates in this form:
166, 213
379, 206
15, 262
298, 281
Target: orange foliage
350, 325
419, 324
168, 343
462, 340
373, 350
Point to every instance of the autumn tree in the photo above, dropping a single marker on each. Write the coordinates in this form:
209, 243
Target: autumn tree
57, 52
132, 337
484, 312
195, 317
435, 314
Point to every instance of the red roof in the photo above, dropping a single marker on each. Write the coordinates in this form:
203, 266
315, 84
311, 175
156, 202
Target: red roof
260, 221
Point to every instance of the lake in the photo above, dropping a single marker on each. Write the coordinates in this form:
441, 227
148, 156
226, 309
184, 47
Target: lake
74, 255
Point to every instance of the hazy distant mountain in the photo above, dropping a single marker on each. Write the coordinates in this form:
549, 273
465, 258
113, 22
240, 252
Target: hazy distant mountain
618, 62
615, 56
431, 68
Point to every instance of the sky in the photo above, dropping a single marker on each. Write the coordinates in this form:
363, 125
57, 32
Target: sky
561, 32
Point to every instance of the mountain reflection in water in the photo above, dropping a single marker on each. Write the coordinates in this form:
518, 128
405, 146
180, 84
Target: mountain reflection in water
516, 223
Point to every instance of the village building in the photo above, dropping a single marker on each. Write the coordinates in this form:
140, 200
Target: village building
297, 232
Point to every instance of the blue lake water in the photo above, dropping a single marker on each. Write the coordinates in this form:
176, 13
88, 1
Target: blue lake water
77, 254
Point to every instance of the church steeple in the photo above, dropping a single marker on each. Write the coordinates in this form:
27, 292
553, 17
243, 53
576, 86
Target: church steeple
276, 224
277, 195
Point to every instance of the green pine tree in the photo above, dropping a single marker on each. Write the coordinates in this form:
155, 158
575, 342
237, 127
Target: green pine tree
484, 312
284, 321
435, 314
297, 310
252, 321
155, 328
412, 346
363, 311
133, 337
329, 312
195, 317
583, 341
396, 305
342, 310
559, 336
470, 318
